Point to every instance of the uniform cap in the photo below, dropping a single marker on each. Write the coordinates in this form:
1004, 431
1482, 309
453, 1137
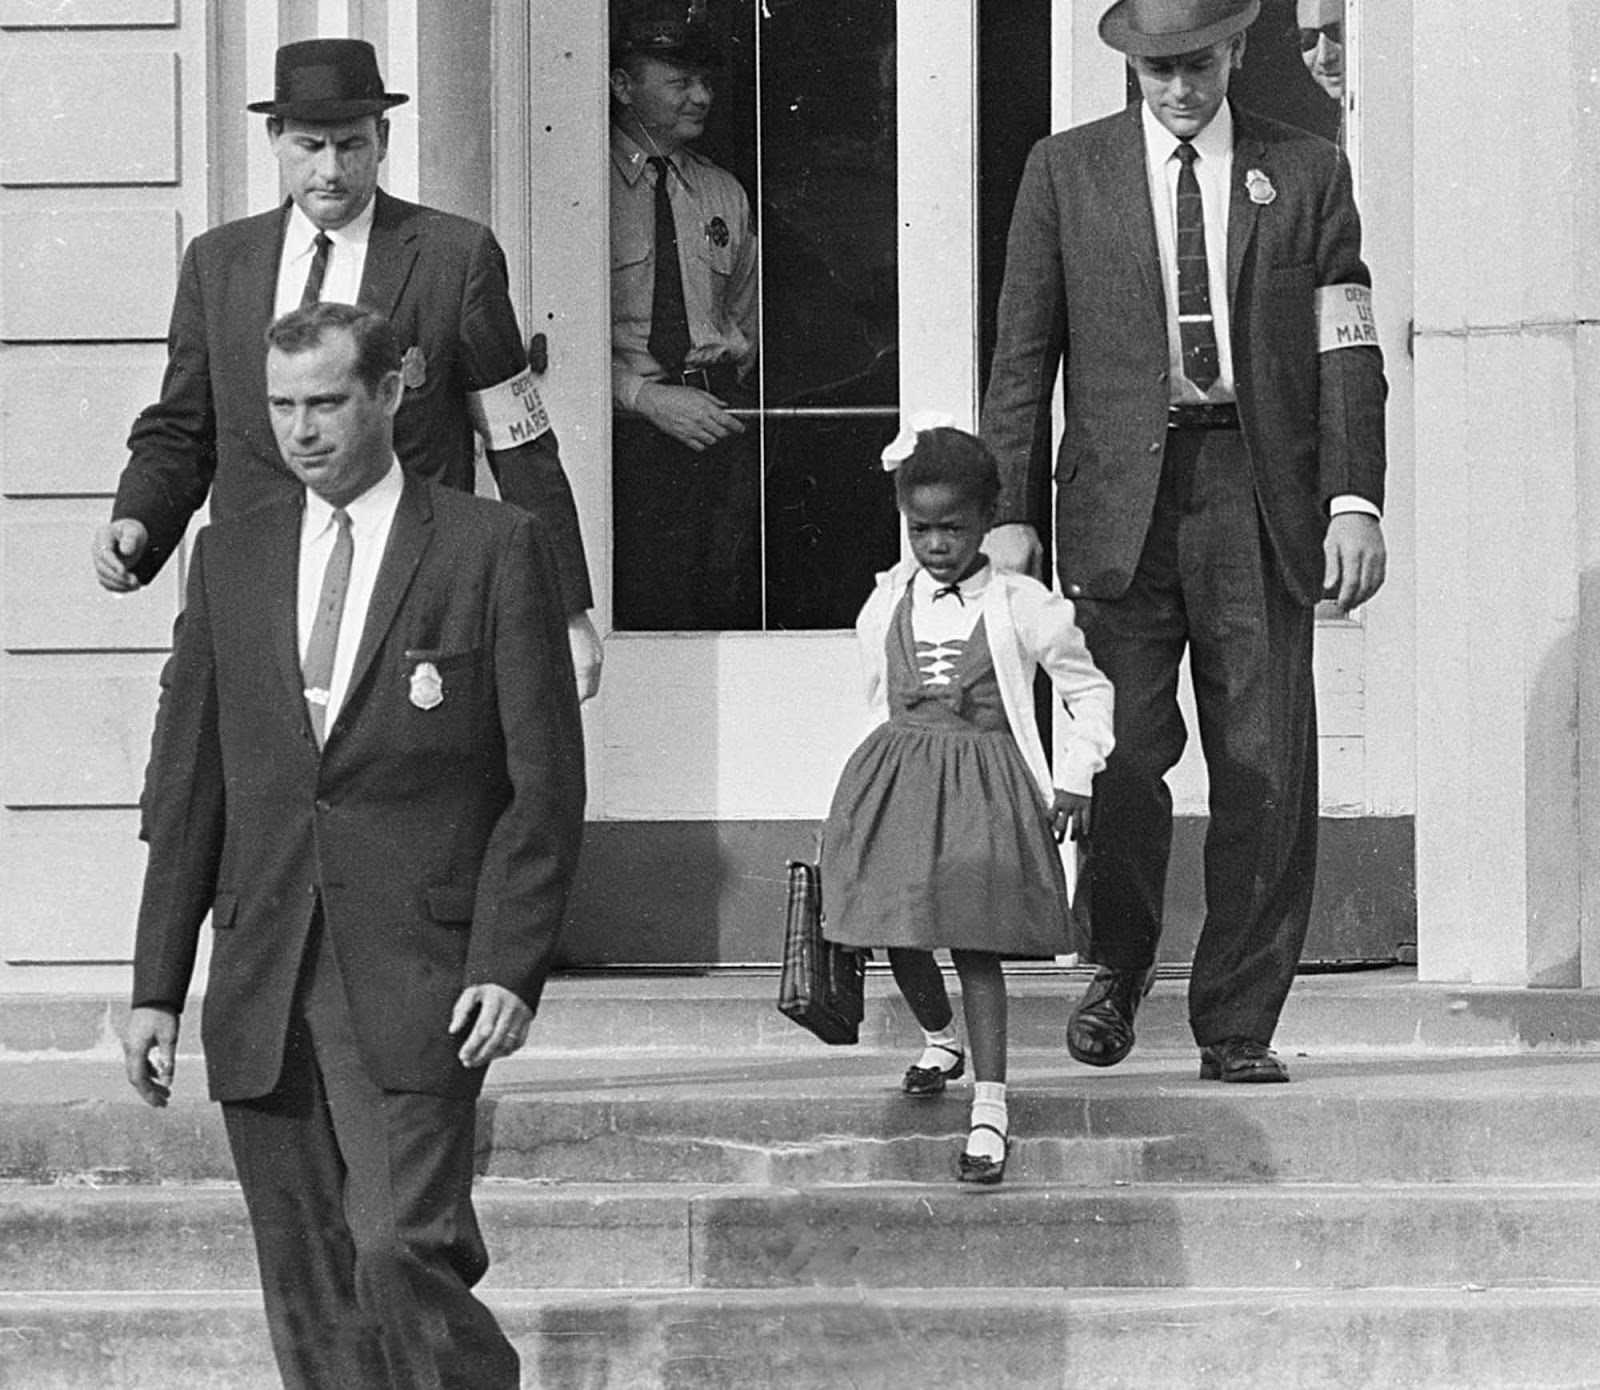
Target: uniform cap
673, 39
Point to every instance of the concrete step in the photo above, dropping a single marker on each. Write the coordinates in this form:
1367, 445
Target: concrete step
1024, 1235
838, 1116
902, 1339
735, 1014
684, 1190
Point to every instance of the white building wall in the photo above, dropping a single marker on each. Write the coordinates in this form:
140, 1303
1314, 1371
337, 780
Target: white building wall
104, 111
1507, 538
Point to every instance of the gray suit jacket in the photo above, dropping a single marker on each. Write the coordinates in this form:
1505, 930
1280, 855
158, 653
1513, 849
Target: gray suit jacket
439, 838
1083, 284
440, 279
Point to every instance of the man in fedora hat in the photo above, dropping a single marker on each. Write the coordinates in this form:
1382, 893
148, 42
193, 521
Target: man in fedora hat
1198, 272
440, 279
684, 327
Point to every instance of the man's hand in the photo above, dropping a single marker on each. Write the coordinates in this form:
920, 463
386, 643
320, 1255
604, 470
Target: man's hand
587, 655
118, 547
1069, 811
1355, 559
499, 1028
149, 1049
1015, 547
694, 418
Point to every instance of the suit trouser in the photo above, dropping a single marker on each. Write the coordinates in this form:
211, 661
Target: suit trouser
685, 546
361, 1204
1208, 580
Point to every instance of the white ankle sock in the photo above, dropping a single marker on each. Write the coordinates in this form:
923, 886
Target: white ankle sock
989, 1108
942, 1049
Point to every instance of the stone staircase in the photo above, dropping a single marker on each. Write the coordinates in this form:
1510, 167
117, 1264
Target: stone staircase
681, 1189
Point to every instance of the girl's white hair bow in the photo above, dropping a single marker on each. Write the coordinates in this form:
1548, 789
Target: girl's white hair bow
898, 449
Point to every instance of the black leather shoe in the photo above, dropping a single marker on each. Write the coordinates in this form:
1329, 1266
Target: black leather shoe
1241, 1059
1100, 1031
930, 1081
986, 1171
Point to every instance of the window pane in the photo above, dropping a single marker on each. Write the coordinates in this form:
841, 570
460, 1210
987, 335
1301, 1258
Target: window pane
830, 365
1013, 115
684, 335
784, 527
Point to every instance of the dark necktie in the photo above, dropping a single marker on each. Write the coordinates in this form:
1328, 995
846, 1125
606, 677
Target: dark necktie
950, 591
317, 668
669, 320
319, 269
1196, 328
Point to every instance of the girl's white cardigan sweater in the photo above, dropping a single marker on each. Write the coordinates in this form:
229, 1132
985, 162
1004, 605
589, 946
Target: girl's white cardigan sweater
1028, 626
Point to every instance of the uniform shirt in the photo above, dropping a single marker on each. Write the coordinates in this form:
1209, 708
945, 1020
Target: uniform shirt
1213, 170
371, 516
347, 259
717, 251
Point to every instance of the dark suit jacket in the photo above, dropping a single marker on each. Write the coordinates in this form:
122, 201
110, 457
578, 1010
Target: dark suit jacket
441, 841
440, 279
1083, 281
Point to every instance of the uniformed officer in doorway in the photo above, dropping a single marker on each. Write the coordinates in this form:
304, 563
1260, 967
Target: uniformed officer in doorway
684, 341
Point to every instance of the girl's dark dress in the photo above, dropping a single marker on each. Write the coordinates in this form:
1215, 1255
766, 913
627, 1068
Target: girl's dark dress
937, 836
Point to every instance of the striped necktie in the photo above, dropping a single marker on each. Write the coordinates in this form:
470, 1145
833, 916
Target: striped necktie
1196, 328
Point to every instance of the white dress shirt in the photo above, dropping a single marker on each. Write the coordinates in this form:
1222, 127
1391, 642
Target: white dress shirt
1213, 170
347, 259
371, 517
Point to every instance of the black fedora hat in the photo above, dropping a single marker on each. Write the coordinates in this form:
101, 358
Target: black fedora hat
328, 80
670, 38
1167, 28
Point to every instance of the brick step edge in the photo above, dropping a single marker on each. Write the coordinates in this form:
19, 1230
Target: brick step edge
896, 1339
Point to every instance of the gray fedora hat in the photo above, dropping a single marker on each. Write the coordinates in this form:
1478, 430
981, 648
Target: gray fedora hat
328, 80
1167, 28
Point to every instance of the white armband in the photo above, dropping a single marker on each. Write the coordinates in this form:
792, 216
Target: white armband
1344, 317
508, 414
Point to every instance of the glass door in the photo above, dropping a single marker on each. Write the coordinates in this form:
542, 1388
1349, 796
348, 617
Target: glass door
853, 129
791, 518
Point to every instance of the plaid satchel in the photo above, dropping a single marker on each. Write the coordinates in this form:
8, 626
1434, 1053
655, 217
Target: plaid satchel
823, 986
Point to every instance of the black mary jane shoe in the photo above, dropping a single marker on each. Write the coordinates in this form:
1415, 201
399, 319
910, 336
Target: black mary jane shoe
1100, 1031
930, 1081
1241, 1060
975, 1168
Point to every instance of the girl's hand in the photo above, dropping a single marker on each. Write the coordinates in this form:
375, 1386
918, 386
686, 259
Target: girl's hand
1069, 810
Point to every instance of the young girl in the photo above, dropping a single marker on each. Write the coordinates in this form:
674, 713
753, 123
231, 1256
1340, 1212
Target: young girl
946, 824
